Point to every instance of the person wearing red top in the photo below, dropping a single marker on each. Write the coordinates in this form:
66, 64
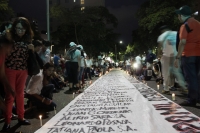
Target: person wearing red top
189, 53
16, 68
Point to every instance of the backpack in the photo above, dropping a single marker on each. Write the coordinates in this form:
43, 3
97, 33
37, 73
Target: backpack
177, 36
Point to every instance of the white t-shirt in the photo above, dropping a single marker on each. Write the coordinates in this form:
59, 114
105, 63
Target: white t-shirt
168, 40
128, 62
102, 62
138, 59
35, 84
88, 62
82, 62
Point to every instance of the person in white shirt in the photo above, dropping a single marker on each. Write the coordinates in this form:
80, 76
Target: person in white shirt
88, 67
128, 65
82, 64
39, 94
167, 40
138, 61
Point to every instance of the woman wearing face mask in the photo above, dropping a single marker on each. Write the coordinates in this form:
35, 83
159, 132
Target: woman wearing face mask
16, 68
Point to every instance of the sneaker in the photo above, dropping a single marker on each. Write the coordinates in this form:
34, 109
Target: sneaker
166, 92
187, 103
173, 89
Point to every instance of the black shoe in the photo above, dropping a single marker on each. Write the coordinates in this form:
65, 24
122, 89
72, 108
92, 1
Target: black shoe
187, 103
24, 122
70, 91
5, 128
173, 89
55, 91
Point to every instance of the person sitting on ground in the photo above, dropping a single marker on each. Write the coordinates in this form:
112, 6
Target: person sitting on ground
58, 81
40, 90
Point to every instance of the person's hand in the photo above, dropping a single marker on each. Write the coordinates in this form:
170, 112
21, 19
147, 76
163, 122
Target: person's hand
47, 101
31, 47
176, 63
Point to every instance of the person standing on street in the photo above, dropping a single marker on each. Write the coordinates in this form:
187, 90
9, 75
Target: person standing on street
168, 41
189, 53
16, 68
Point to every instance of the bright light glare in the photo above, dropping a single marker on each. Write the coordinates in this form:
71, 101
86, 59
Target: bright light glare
196, 13
135, 65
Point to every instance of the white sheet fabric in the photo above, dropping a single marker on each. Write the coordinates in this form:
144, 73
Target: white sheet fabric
118, 103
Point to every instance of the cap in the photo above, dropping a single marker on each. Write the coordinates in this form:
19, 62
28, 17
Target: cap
184, 10
71, 44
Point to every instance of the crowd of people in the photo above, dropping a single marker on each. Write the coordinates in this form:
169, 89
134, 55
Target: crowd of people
52, 73
28, 70
180, 59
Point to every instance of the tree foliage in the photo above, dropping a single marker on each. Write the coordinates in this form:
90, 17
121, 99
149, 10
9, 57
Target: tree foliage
151, 16
5, 11
92, 27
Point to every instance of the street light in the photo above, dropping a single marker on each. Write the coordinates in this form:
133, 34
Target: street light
116, 50
115, 53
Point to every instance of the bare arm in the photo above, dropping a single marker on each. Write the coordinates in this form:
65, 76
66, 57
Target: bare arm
181, 47
180, 50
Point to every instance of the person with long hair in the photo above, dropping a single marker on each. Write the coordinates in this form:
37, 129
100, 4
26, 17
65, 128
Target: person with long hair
16, 69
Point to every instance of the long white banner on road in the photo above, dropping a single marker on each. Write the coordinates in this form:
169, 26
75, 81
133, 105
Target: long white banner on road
117, 103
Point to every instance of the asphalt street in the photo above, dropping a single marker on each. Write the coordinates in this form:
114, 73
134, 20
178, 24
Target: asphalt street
62, 99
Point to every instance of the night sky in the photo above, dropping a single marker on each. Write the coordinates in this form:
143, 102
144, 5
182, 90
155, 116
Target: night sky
124, 10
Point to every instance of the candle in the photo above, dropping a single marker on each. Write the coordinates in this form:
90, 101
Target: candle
54, 110
40, 116
158, 87
173, 97
73, 95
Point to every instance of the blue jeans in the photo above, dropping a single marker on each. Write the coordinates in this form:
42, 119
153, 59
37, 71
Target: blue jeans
191, 68
80, 75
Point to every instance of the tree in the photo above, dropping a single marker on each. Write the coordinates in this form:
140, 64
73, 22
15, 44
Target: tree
5, 11
152, 15
88, 27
